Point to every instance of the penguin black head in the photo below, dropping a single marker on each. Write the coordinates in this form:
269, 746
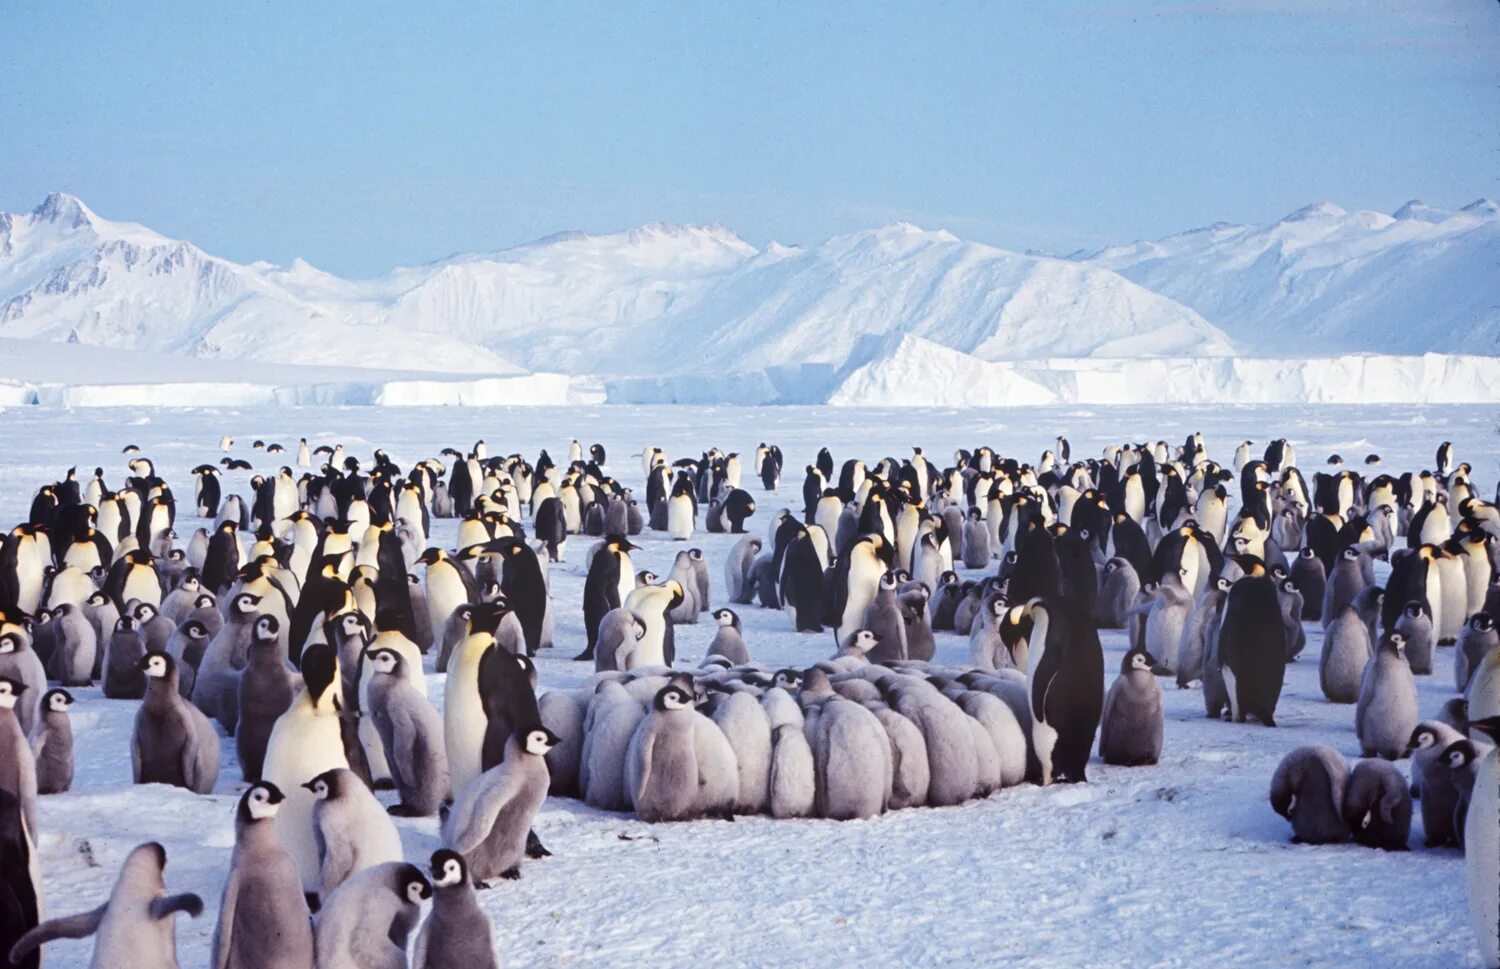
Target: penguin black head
537, 740
1415, 609
1489, 726
412, 885
319, 669
727, 617
673, 697
266, 629
125, 624
57, 700
205, 601
1394, 642
1461, 753
386, 661
330, 784
1481, 622
260, 802
10, 692
789, 679
246, 604
157, 665
11, 643
448, 868
1137, 659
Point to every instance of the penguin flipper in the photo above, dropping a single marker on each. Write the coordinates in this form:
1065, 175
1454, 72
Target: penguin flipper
78, 926
165, 906
474, 816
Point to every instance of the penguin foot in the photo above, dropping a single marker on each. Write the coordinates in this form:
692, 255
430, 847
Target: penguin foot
482, 886
313, 902
511, 873
384, 784
583, 656
404, 811
535, 848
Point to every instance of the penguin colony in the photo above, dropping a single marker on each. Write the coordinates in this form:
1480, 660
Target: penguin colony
303, 622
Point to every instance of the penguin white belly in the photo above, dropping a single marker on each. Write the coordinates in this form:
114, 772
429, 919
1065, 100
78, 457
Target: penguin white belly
464, 721
142, 584
30, 576
680, 518
650, 649
906, 537
1232, 692
1482, 858
1043, 739
302, 746
864, 583
445, 593
1135, 498
1435, 597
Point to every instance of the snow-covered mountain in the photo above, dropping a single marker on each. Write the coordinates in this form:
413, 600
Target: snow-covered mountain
668, 312
1323, 280
660, 299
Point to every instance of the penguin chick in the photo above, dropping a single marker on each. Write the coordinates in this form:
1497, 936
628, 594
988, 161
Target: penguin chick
729, 640
1386, 712
52, 744
133, 928
457, 933
1377, 806
411, 731
173, 743
367, 922
492, 817
263, 918
353, 831
1130, 732
1308, 790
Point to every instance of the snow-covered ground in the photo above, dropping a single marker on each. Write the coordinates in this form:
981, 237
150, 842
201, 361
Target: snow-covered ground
1181, 864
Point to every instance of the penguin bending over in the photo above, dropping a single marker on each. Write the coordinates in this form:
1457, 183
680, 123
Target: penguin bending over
1377, 806
1308, 790
134, 928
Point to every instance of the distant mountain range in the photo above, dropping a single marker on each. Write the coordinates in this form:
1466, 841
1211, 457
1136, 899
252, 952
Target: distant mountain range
650, 313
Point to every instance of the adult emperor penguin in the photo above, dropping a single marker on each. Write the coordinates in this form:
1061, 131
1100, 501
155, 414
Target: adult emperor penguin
1482, 845
448, 586
1130, 730
263, 918
1065, 686
1252, 648
611, 577
1308, 790
369, 920
854, 582
682, 510
457, 932
173, 743
20, 880
305, 742
411, 731
133, 929
491, 820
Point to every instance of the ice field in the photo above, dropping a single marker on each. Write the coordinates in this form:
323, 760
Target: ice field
1180, 864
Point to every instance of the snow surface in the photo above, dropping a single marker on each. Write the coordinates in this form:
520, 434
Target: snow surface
1181, 864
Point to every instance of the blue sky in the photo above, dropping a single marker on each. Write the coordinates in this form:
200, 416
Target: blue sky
365, 135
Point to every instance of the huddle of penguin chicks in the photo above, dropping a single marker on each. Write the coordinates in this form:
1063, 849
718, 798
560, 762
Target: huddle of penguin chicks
843, 739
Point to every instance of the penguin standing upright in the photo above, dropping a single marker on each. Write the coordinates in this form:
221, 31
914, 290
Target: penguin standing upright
305, 742
1252, 648
611, 577
491, 820
458, 932
173, 742
368, 922
1482, 845
1387, 711
52, 744
1065, 686
20, 881
352, 830
263, 917
1130, 731
411, 731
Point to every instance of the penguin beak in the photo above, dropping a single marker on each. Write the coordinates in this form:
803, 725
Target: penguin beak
310, 785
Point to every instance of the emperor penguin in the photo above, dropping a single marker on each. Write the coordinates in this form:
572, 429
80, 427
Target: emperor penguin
491, 819
352, 830
133, 929
1065, 686
1479, 639
1308, 790
448, 586
1344, 584
1167, 619
851, 762
661, 765
19, 661
682, 510
411, 731
457, 932
52, 744
368, 922
267, 687
173, 743
1386, 712
1311, 580
1120, 586
1415, 626
1130, 730
883, 618
17, 763
987, 650
610, 579
1482, 845
650, 604
747, 729
264, 922
1252, 648
729, 641
1431, 781
20, 881
1346, 652
609, 725
855, 581
1377, 806
737, 569
305, 742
